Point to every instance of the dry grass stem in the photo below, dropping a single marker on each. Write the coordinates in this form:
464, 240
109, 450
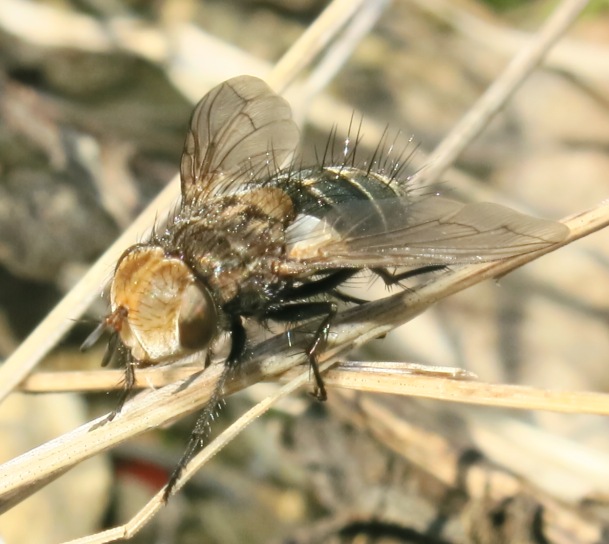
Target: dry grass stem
155, 377
582, 60
325, 28
504, 86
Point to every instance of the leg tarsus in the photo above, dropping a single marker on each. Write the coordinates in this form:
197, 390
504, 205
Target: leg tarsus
393, 279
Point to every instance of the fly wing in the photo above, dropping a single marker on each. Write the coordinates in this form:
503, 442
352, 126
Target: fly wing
240, 130
433, 230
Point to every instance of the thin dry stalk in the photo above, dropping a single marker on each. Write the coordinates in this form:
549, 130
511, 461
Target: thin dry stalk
582, 60
312, 42
496, 96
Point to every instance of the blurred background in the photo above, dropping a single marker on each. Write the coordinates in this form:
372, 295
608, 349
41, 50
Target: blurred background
94, 103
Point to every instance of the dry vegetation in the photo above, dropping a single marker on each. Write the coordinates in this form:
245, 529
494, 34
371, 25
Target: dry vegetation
94, 100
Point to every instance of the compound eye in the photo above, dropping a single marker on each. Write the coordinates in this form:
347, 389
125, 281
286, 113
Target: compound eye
197, 318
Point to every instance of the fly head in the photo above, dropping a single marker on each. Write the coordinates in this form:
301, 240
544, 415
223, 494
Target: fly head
162, 311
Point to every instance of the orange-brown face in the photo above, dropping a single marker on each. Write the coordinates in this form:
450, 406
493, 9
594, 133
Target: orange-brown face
163, 312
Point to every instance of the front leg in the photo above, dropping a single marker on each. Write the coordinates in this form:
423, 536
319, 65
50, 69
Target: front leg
238, 338
123, 356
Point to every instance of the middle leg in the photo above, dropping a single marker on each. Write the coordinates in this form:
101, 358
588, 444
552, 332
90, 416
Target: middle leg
300, 311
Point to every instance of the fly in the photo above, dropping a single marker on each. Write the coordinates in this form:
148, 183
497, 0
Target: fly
257, 239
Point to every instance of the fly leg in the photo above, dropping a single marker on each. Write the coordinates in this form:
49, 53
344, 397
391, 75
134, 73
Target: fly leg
300, 311
393, 279
327, 284
388, 278
344, 297
201, 429
321, 337
331, 282
290, 310
125, 358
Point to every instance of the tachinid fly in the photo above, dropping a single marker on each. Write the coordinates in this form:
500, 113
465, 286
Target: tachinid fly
256, 239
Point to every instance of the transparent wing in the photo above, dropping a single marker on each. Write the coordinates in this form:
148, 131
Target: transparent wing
239, 130
433, 230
